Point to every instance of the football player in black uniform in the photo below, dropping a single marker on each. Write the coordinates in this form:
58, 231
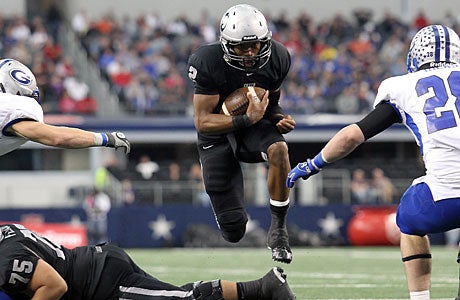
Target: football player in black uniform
245, 56
32, 267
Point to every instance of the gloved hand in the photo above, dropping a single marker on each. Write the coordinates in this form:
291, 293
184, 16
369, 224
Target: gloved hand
304, 170
117, 140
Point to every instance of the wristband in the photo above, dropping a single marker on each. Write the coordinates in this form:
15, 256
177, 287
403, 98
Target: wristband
100, 139
318, 161
240, 122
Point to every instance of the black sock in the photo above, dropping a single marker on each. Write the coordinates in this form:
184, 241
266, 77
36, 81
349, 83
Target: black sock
278, 215
249, 290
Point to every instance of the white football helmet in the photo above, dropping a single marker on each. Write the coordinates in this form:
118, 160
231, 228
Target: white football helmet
436, 45
244, 23
17, 79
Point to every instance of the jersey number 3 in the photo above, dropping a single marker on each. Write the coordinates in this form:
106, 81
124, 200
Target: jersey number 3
438, 115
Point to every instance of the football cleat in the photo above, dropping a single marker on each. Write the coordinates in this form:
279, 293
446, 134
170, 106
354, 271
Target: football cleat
278, 243
274, 286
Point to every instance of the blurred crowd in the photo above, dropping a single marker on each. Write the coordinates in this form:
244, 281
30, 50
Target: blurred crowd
337, 64
34, 42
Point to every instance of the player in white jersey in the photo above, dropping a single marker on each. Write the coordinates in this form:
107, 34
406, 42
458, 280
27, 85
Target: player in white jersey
427, 102
21, 116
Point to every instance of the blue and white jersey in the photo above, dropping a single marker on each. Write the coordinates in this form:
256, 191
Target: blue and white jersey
429, 104
13, 109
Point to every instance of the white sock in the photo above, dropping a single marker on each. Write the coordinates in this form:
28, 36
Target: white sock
423, 295
279, 203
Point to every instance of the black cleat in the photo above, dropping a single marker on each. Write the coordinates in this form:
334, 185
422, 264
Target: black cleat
274, 286
278, 242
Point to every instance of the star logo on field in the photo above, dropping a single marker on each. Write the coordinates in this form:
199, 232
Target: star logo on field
161, 228
330, 225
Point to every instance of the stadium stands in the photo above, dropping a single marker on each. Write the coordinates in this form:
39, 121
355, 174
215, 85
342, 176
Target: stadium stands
336, 64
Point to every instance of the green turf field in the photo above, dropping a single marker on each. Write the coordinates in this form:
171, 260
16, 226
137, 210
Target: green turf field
315, 273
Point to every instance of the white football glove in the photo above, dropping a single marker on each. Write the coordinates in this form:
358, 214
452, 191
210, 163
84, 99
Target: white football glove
117, 140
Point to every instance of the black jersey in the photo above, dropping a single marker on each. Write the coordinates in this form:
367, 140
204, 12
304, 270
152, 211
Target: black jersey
20, 250
213, 76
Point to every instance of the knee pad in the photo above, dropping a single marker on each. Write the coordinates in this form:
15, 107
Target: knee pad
232, 224
208, 291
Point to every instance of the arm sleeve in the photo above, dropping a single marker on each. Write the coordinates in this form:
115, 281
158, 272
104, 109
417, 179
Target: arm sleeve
382, 117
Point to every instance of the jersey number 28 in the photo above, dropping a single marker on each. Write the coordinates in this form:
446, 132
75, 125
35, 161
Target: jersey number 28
439, 116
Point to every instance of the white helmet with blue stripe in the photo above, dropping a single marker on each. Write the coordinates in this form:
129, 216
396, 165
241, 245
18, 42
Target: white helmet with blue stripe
17, 79
436, 45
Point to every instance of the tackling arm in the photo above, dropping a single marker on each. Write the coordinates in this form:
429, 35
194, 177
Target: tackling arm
342, 144
64, 137
345, 141
67, 137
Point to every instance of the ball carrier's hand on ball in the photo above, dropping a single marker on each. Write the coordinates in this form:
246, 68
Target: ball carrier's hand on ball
257, 107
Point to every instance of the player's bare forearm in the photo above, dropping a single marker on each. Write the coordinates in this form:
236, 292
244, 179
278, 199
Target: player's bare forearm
343, 143
65, 137
214, 123
205, 120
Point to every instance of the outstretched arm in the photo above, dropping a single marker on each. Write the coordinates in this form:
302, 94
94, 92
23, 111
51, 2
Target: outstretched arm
342, 144
345, 141
67, 137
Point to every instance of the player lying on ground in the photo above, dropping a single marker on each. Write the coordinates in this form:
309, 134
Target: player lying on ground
32, 267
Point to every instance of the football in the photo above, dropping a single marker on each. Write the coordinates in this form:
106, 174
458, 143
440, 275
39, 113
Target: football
237, 103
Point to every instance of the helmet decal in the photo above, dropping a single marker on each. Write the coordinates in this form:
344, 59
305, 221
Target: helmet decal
20, 77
